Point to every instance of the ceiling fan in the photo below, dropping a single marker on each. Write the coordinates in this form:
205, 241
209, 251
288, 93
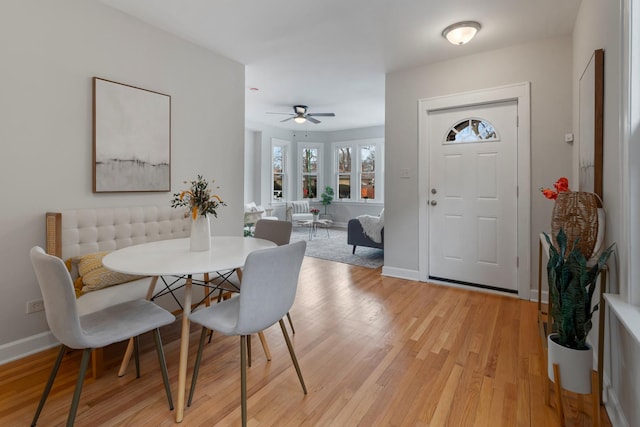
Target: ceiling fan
300, 115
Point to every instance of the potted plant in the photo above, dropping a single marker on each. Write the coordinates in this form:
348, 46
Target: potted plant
571, 287
326, 197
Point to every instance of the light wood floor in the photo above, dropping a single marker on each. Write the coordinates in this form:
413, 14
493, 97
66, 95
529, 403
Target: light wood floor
374, 351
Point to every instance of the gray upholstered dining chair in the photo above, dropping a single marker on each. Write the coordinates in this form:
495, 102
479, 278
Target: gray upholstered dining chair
269, 285
99, 329
279, 232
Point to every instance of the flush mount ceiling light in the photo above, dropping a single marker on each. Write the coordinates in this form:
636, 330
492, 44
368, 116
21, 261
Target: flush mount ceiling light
461, 32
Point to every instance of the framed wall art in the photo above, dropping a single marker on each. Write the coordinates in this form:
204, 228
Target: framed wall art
131, 138
591, 122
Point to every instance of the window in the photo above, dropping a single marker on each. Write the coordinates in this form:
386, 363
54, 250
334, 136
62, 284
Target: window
471, 130
310, 155
357, 168
343, 155
279, 170
368, 171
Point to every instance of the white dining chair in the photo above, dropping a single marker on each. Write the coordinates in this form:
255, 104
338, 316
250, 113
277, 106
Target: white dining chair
279, 232
269, 284
95, 330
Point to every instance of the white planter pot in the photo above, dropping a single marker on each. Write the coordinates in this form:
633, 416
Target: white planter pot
200, 234
575, 366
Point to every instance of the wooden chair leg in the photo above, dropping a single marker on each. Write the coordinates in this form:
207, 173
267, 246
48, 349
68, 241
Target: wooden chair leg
125, 359
265, 346
129, 351
558, 390
595, 391
97, 362
207, 299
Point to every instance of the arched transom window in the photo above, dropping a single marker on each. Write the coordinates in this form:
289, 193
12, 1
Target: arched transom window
471, 130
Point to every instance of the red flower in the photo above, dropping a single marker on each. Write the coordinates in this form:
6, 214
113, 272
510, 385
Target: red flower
561, 186
549, 193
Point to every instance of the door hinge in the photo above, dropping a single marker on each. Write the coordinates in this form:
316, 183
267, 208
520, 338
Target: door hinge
517, 191
517, 262
517, 121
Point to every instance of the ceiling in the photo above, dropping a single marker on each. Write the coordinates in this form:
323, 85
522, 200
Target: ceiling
332, 55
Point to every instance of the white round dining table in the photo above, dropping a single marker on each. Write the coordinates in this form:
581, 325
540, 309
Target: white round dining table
173, 257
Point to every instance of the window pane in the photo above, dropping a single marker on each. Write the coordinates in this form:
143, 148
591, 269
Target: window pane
368, 186
344, 186
310, 160
471, 130
309, 186
344, 159
277, 186
368, 158
278, 159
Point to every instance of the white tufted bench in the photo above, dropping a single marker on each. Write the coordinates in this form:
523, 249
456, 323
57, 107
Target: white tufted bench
82, 231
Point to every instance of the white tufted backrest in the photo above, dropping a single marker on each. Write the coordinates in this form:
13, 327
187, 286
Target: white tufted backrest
81, 231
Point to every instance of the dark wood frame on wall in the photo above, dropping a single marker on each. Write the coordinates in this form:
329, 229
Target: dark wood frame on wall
131, 138
591, 124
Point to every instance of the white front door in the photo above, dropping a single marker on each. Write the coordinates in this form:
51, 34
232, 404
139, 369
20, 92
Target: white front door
472, 195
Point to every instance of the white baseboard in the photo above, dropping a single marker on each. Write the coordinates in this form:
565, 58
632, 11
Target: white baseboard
401, 273
612, 404
533, 296
26, 346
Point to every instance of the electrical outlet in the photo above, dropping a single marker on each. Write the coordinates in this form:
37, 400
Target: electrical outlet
35, 306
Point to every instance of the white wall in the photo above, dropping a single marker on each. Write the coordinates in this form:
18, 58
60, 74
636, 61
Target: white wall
598, 26
546, 64
50, 52
251, 165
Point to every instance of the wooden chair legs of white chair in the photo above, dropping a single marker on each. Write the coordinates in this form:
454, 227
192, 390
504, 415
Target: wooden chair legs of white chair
83, 369
245, 357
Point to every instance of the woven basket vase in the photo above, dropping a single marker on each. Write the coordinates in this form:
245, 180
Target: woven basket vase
576, 212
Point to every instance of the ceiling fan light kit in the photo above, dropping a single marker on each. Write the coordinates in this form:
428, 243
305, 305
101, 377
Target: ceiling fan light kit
461, 32
301, 115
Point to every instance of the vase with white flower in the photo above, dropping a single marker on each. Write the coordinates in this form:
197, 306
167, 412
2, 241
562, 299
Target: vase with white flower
199, 202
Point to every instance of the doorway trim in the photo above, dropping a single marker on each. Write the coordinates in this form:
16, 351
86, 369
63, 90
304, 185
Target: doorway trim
522, 94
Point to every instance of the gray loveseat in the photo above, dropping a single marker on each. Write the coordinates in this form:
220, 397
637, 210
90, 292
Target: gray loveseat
356, 236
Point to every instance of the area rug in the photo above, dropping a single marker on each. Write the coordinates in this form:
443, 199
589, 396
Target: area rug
335, 248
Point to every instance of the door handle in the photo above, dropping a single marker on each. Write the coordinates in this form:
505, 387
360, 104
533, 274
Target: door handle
433, 203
